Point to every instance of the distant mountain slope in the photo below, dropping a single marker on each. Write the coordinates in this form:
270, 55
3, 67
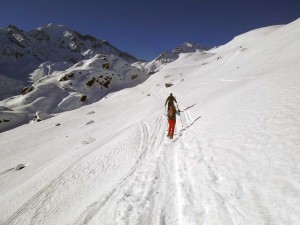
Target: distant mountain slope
83, 83
168, 56
9, 87
66, 70
22, 52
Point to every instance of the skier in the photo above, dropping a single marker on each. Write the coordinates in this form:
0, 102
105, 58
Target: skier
171, 114
170, 100
171, 120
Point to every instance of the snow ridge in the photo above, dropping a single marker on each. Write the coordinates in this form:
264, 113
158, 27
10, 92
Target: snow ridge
169, 56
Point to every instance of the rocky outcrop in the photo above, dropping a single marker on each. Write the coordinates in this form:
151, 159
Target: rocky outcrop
83, 98
26, 90
66, 77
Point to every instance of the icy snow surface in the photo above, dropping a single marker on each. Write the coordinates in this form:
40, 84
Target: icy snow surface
234, 158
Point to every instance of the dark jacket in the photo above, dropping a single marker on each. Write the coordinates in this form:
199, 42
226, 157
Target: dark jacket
170, 100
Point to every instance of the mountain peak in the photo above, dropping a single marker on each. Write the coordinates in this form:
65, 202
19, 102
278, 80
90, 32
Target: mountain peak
52, 42
53, 28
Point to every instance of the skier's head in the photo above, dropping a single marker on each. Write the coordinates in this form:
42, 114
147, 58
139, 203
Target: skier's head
171, 94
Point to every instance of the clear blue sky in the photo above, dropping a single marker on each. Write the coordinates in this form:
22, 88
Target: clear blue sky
145, 28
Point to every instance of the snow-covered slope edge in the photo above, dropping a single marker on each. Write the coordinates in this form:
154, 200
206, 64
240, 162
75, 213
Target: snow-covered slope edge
167, 57
234, 159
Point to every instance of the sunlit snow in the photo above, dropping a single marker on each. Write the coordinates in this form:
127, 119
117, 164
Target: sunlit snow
234, 158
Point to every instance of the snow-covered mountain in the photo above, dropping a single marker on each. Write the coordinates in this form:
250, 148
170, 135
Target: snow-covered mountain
67, 70
22, 52
234, 158
83, 83
168, 56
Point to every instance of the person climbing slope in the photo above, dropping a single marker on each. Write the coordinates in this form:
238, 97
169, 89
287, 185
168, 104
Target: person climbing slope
171, 120
171, 115
170, 100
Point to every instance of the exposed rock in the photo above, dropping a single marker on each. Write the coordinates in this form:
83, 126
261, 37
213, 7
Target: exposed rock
66, 77
26, 90
35, 118
134, 77
39, 116
83, 98
91, 82
105, 65
106, 81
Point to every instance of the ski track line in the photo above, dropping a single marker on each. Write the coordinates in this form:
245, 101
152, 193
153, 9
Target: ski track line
95, 207
146, 177
133, 199
189, 211
51, 192
125, 197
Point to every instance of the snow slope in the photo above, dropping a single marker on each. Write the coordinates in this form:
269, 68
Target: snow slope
234, 158
167, 57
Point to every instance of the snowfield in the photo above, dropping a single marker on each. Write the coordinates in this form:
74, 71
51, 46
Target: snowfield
234, 158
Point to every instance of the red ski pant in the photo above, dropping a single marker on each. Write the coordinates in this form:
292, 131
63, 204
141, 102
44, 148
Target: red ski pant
171, 126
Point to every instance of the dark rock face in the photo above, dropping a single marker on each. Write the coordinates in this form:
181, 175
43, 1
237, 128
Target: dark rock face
134, 77
4, 121
91, 82
35, 118
26, 90
83, 98
105, 65
106, 82
103, 81
67, 77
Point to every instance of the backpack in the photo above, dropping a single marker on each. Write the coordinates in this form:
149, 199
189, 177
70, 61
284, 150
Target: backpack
172, 112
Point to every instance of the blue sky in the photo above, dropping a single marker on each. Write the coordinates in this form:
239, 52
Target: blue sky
145, 28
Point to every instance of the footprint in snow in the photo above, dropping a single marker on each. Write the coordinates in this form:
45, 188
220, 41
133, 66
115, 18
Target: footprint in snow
88, 141
91, 112
90, 122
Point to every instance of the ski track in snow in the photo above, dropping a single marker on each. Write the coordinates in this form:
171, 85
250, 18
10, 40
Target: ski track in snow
162, 187
132, 195
165, 186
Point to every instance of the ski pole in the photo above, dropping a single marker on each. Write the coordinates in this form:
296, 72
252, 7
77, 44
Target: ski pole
179, 114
